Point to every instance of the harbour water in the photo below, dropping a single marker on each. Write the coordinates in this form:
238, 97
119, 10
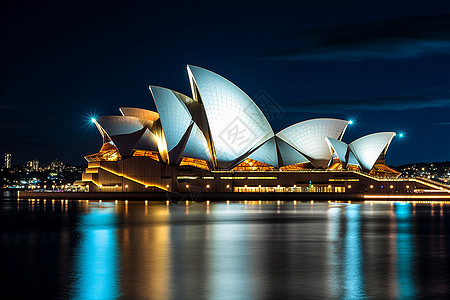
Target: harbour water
240, 250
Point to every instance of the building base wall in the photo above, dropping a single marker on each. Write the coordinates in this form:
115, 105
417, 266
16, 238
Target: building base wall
141, 175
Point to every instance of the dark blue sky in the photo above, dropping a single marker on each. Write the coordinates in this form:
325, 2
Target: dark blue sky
384, 63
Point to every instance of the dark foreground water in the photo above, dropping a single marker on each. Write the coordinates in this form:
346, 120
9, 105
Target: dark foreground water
106, 250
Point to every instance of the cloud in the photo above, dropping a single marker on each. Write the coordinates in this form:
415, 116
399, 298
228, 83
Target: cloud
402, 38
395, 103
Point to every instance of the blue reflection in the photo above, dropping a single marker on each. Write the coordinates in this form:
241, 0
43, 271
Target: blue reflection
405, 252
96, 256
354, 284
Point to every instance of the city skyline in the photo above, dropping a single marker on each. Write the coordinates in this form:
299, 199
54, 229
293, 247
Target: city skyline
385, 69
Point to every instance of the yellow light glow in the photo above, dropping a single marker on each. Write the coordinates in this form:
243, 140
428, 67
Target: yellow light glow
349, 186
167, 202
207, 202
187, 186
130, 178
371, 186
207, 186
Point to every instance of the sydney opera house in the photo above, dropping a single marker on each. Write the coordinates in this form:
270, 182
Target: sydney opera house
218, 140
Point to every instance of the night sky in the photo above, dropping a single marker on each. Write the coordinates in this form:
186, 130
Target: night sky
385, 64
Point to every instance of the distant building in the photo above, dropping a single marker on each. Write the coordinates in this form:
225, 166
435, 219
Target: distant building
7, 160
57, 166
33, 165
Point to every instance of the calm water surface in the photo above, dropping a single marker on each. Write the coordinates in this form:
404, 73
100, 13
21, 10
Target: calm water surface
106, 250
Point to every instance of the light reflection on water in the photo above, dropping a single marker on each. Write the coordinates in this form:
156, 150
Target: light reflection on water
259, 250
96, 256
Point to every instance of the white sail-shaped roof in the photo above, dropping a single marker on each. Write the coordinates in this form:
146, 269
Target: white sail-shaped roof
148, 141
352, 160
267, 153
289, 155
308, 137
196, 146
124, 131
139, 113
175, 117
368, 148
339, 147
104, 134
236, 123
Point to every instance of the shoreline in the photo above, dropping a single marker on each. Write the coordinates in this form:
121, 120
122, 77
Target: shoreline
158, 196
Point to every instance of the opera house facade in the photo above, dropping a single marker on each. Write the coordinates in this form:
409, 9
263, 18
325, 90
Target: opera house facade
218, 140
